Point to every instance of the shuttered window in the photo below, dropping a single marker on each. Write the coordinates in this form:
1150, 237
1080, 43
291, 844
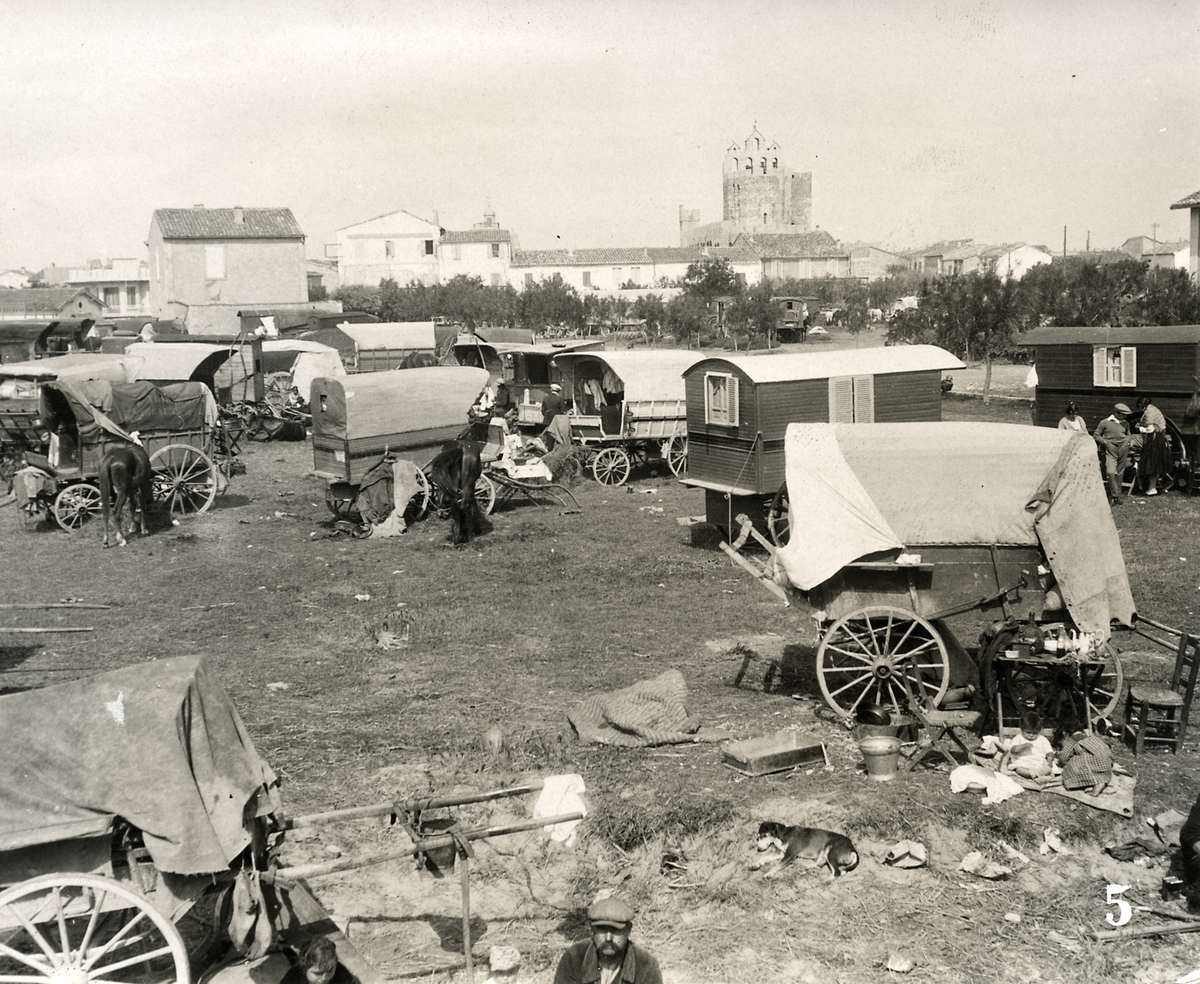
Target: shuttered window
841, 400
864, 399
1114, 365
720, 398
214, 262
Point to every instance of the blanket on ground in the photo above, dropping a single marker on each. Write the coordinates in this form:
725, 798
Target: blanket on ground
1117, 798
650, 712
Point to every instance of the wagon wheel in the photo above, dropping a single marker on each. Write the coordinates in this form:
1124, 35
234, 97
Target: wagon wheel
865, 654
1053, 688
779, 523
422, 499
185, 479
611, 466
76, 929
75, 505
341, 505
485, 495
676, 454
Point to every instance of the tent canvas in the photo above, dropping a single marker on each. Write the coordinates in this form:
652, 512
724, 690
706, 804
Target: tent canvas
169, 362
74, 365
407, 335
159, 744
647, 374
311, 365
97, 405
857, 491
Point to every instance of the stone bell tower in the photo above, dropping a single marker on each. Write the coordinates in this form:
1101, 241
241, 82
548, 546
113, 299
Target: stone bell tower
761, 194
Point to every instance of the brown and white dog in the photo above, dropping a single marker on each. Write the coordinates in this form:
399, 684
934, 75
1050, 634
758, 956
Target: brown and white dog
125, 472
818, 847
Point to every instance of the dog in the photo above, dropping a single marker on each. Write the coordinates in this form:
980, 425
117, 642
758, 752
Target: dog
821, 847
125, 472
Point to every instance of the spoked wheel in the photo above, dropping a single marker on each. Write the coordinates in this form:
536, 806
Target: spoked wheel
80, 929
339, 497
611, 466
676, 454
422, 499
75, 505
865, 655
185, 479
1056, 691
485, 495
778, 517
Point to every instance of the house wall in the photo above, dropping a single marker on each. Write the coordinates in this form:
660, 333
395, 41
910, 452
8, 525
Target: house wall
806, 267
607, 279
475, 260
1017, 262
363, 250
908, 396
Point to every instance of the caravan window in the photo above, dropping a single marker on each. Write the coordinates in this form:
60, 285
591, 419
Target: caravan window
852, 400
1114, 365
720, 398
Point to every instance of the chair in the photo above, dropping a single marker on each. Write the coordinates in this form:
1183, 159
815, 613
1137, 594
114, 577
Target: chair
1159, 715
941, 726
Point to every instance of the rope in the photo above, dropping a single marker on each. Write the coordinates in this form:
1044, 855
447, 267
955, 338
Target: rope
729, 495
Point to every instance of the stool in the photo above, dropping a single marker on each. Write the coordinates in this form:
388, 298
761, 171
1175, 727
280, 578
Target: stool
1155, 714
943, 725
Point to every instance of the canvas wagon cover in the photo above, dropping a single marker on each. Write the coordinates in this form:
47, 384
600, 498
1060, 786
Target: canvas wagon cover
73, 365
648, 374
159, 744
132, 406
395, 401
857, 490
391, 335
167, 362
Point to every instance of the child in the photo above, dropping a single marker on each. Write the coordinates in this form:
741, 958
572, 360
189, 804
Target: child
1087, 763
1029, 754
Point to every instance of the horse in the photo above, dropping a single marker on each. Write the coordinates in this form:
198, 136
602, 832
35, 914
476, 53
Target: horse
125, 470
454, 473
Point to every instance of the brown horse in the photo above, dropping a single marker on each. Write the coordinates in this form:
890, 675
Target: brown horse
125, 470
454, 473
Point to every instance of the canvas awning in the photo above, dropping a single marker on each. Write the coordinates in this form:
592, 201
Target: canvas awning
169, 362
395, 401
73, 365
648, 374
859, 490
78, 754
408, 335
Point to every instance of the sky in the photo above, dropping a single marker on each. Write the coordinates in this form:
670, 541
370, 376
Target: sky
589, 124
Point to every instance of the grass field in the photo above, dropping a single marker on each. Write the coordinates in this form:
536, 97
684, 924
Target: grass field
512, 631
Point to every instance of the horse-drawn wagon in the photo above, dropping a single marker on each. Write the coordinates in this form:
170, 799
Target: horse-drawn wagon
628, 407
899, 532
178, 425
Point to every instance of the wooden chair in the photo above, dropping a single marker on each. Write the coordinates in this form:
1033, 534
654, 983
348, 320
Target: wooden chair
941, 726
1159, 715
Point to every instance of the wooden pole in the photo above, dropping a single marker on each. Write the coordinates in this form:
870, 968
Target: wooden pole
758, 575
1130, 933
5, 631
465, 877
406, 806
30, 606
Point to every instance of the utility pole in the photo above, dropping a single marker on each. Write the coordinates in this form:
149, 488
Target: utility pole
1088, 247
1154, 228
1064, 240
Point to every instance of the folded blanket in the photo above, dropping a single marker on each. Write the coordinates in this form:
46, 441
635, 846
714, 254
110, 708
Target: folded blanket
651, 712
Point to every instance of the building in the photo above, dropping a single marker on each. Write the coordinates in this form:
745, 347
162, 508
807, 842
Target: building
1014, 259
1171, 256
322, 276
484, 251
871, 262
13, 279
36, 321
636, 269
1192, 203
122, 283
1139, 246
929, 260
207, 263
760, 194
797, 256
396, 245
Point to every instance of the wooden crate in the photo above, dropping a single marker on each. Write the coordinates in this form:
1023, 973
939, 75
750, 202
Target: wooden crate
774, 753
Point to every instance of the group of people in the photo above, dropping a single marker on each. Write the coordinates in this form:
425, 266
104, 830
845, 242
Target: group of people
502, 404
1119, 440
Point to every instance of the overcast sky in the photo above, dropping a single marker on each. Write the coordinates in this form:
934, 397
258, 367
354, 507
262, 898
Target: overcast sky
588, 124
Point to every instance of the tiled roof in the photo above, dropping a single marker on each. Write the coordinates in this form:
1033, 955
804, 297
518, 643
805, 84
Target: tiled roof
792, 244
477, 236
631, 255
1192, 201
218, 223
1171, 247
39, 300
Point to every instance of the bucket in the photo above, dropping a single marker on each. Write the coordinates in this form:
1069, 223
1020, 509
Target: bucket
882, 756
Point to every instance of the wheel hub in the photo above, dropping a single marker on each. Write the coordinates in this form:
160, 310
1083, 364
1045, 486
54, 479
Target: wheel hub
69, 975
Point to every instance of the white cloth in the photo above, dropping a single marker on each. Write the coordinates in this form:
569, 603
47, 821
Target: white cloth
1030, 754
1031, 378
561, 794
996, 786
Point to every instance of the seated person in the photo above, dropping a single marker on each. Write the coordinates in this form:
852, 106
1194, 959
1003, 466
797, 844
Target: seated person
1029, 753
504, 405
295, 401
1087, 763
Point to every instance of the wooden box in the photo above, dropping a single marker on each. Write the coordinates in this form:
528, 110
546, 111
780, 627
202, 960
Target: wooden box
774, 753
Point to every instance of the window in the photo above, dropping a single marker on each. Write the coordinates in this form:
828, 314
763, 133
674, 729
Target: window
587, 278
617, 276
762, 164
720, 398
529, 280
214, 262
457, 251
429, 247
112, 297
1114, 365
774, 163
389, 248
852, 400
495, 251
131, 296
635, 275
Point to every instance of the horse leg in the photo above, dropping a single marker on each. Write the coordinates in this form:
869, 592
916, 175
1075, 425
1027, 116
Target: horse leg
145, 494
119, 475
105, 495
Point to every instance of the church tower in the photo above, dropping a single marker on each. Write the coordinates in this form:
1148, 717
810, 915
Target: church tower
761, 194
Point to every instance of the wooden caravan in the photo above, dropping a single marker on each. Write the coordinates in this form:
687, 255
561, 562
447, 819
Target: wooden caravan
391, 345
738, 409
1098, 367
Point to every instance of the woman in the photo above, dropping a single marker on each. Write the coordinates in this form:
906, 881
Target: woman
1071, 421
1155, 461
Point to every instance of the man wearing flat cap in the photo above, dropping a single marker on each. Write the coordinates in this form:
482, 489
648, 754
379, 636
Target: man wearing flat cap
609, 957
1112, 434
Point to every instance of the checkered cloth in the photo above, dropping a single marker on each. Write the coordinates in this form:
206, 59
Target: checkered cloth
1086, 762
651, 712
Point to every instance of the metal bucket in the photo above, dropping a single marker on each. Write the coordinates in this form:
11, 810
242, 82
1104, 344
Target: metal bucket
882, 756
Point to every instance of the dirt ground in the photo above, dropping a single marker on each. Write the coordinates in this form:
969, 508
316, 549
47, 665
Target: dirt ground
512, 631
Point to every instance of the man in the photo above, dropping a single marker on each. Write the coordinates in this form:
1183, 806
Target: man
1071, 421
1112, 434
609, 957
553, 404
1151, 442
504, 405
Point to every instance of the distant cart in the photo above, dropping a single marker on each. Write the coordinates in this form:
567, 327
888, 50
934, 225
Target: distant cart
628, 407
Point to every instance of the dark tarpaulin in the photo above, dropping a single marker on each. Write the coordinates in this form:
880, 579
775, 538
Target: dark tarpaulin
159, 744
137, 406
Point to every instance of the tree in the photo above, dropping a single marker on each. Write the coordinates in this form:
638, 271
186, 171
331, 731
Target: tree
550, 302
684, 315
355, 297
711, 278
754, 310
650, 308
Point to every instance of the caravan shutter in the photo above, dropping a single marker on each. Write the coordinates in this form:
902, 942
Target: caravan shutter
1099, 357
1128, 365
864, 399
841, 400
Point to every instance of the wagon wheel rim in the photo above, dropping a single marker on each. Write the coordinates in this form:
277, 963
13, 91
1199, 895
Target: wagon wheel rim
611, 466
676, 455
75, 505
422, 499
1051, 685
184, 479
485, 495
866, 655
779, 521
80, 929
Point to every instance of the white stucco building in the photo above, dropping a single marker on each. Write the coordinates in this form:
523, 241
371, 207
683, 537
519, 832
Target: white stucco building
122, 283
606, 271
399, 245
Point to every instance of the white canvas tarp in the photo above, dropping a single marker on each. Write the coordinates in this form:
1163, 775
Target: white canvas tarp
647, 374
407, 335
309, 365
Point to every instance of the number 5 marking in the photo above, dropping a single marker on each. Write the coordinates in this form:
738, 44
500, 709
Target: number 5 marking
1124, 913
